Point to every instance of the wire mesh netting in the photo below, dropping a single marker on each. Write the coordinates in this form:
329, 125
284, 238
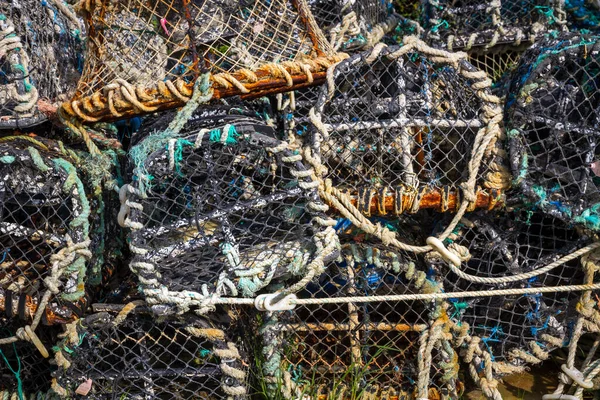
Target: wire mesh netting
145, 56
374, 229
47, 227
354, 350
465, 24
495, 33
109, 355
225, 208
551, 123
394, 130
41, 46
504, 245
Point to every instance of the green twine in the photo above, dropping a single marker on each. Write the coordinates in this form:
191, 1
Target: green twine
546, 11
204, 353
153, 143
443, 24
7, 159
458, 307
16, 373
272, 362
178, 152
232, 135
37, 159
73, 181
82, 220
21, 68
202, 94
590, 217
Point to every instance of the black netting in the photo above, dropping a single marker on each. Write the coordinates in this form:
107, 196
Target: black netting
41, 58
505, 245
494, 34
369, 199
46, 215
552, 125
469, 23
223, 208
23, 370
109, 355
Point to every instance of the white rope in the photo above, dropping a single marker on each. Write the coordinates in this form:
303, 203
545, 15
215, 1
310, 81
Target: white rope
419, 296
526, 275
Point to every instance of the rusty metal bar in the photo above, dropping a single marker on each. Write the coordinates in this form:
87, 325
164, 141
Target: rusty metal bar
266, 85
441, 200
378, 326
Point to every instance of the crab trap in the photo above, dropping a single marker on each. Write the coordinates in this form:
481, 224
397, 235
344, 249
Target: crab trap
52, 230
552, 129
41, 46
222, 208
129, 354
382, 350
146, 56
409, 128
495, 33
517, 250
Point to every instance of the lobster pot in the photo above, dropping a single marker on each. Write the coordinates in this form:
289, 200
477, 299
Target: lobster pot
399, 127
223, 210
552, 128
495, 34
347, 24
515, 245
23, 367
145, 56
48, 226
108, 355
41, 46
353, 350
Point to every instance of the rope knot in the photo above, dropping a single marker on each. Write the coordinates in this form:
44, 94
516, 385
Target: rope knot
28, 335
468, 192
